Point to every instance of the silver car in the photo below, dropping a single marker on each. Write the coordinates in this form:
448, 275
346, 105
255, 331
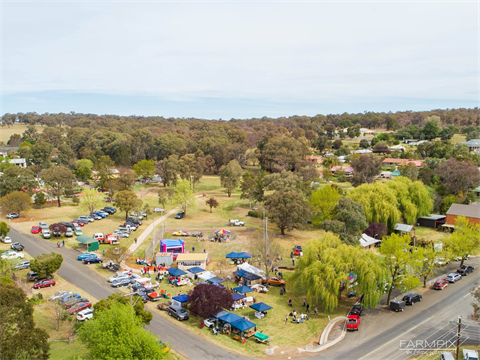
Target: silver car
25, 264
453, 277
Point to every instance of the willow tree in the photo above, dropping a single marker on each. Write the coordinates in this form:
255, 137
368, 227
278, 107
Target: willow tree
327, 265
323, 202
464, 241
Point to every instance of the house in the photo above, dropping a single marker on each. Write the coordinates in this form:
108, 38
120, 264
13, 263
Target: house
114, 173
402, 162
314, 159
348, 170
363, 151
187, 261
367, 131
397, 147
18, 162
473, 145
433, 221
471, 212
369, 242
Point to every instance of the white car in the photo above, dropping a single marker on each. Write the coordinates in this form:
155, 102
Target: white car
43, 225
46, 234
87, 219
85, 314
122, 234
118, 277
7, 240
10, 254
60, 294
157, 210
453, 277
210, 323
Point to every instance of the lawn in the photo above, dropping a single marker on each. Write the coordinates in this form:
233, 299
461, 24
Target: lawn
6, 132
424, 233
458, 138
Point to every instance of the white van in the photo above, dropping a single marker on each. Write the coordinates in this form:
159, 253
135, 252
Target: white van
46, 234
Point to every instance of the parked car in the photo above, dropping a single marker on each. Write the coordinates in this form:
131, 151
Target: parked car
411, 299
78, 232
210, 323
181, 233
110, 209
453, 277
33, 276
67, 297
7, 240
86, 219
124, 228
136, 216
273, 280
13, 215
440, 284
178, 312
132, 226
78, 307
118, 276
46, 234
134, 221
197, 234
236, 222
357, 310
59, 294
397, 305
158, 210
69, 232
25, 264
12, 254
465, 270
85, 314
57, 233
67, 224
79, 222
92, 260
17, 246
43, 225
36, 229
297, 251
122, 282
441, 261
353, 322
99, 214
44, 284
86, 255
73, 301
122, 234
180, 215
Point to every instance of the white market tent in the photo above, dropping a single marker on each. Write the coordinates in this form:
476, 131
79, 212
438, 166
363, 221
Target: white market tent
251, 269
206, 275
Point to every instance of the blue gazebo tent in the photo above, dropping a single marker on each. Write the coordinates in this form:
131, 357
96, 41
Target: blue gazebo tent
243, 325
220, 314
237, 296
260, 307
243, 289
216, 280
196, 270
176, 272
181, 298
229, 318
239, 255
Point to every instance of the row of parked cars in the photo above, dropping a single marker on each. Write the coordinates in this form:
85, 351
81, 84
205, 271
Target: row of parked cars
74, 303
15, 252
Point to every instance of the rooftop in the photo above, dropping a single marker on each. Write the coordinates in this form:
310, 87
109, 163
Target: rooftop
471, 210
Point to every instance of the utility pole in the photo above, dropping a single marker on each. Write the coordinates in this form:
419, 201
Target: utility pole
458, 336
153, 242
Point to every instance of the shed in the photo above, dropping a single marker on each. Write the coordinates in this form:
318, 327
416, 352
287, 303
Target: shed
471, 212
86, 241
164, 258
368, 242
403, 228
187, 261
433, 221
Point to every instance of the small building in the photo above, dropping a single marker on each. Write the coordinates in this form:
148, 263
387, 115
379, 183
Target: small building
403, 229
471, 212
164, 258
363, 151
18, 162
473, 144
348, 170
395, 173
369, 242
386, 174
433, 221
87, 243
187, 261
402, 162
314, 159
398, 147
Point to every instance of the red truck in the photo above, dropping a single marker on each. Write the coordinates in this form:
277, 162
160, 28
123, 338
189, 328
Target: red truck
353, 322
111, 239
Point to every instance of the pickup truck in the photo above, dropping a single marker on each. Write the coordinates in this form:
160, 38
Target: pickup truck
236, 223
470, 354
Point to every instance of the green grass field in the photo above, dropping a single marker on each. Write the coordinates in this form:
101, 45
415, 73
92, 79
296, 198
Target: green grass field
6, 132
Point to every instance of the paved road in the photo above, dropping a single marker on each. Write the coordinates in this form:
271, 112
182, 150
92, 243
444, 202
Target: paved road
183, 341
382, 330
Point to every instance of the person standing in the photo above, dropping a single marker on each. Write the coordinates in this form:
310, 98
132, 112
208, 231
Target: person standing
308, 308
315, 312
304, 301
63, 243
193, 248
135, 240
293, 262
286, 320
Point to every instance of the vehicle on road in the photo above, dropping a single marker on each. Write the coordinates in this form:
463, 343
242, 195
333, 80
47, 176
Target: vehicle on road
36, 230
465, 270
85, 314
353, 322
236, 222
273, 280
453, 277
25, 264
181, 233
12, 254
411, 299
69, 232
180, 215
78, 307
17, 246
178, 313
440, 284
397, 305
86, 255
13, 216
59, 294
210, 322
7, 240
297, 251
357, 310
92, 260
44, 284
46, 234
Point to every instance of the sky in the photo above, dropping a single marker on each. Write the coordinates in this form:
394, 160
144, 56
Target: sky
238, 59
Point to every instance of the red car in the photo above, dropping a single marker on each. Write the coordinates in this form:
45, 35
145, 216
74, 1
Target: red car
36, 230
440, 284
297, 251
43, 284
81, 223
353, 322
80, 306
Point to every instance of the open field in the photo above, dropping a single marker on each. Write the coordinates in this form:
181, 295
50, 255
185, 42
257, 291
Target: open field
6, 132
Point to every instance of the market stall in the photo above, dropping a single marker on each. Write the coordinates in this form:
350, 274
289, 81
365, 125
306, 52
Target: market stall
261, 309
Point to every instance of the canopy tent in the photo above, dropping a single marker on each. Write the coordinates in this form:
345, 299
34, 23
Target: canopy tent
239, 255
90, 243
247, 275
196, 270
176, 272
261, 307
251, 269
222, 232
243, 325
181, 298
220, 314
216, 280
237, 296
230, 318
206, 275
243, 289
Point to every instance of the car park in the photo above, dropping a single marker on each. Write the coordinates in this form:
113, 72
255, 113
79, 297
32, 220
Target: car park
59, 294
46, 234
353, 322
11, 254
180, 215
411, 299
85, 314
36, 230
25, 264
440, 284
44, 283
78, 232
178, 313
122, 282
92, 260
69, 232
13, 215
78, 307
85, 255
453, 277
17, 246
7, 240
464, 270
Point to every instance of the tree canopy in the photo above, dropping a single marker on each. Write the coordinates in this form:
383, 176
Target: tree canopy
142, 314
91, 200
16, 201
127, 201
206, 300
46, 264
464, 241
184, 195
288, 210
59, 179
230, 176
323, 202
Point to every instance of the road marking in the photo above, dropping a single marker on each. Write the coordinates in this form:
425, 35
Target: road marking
399, 336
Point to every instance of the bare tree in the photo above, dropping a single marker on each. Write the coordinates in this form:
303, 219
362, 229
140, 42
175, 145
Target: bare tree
264, 244
59, 312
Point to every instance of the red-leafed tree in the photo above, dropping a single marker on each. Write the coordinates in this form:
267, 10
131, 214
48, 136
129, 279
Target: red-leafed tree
58, 227
376, 230
206, 300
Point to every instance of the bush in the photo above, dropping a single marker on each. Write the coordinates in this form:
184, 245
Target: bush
36, 299
4, 280
257, 213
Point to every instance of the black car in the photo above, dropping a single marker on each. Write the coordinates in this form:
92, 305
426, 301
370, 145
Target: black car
180, 215
57, 233
17, 246
178, 313
411, 299
356, 310
67, 224
110, 209
135, 221
92, 260
465, 270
